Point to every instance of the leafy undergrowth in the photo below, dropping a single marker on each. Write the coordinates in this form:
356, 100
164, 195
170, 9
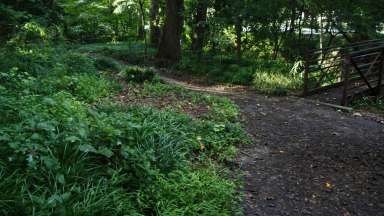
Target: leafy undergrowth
68, 148
266, 76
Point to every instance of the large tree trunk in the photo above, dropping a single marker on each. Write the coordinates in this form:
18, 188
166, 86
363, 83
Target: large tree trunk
155, 31
200, 18
170, 43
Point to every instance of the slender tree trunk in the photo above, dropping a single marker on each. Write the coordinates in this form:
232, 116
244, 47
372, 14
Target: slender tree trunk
302, 19
140, 27
292, 28
142, 12
277, 39
170, 43
239, 31
200, 18
154, 23
321, 34
312, 27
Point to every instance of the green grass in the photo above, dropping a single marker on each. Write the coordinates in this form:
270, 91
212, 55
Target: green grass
276, 83
66, 148
193, 193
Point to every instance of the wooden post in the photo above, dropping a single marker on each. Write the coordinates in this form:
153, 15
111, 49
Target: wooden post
381, 75
346, 72
306, 76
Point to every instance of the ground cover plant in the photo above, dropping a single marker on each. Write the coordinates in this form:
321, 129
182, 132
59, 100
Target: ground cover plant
69, 148
370, 104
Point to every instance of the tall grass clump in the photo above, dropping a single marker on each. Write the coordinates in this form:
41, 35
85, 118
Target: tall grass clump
277, 78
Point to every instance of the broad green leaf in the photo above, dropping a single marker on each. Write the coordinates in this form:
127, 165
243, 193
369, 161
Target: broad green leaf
106, 152
87, 148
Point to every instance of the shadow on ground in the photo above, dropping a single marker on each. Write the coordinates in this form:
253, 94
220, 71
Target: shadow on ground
310, 160
306, 159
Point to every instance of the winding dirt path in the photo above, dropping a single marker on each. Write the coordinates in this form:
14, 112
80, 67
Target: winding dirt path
307, 159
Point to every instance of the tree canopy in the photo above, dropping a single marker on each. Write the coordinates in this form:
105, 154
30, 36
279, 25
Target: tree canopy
275, 28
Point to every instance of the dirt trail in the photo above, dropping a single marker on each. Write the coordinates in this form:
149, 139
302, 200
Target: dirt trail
307, 159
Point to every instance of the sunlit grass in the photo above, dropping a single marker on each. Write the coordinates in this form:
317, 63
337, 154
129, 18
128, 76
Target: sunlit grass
276, 83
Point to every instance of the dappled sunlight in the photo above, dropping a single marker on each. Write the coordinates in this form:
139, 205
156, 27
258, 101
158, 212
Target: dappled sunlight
191, 107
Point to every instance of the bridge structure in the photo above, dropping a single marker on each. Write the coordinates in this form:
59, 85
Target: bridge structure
338, 75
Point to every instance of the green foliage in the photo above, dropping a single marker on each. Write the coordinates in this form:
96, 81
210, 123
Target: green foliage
66, 150
35, 59
107, 64
30, 19
90, 88
217, 131
274, 77
274, 83
131, 52
201, 192
243, 76
79, 63
369, 103
32, 32
67, 139
222, 109
268, 76
218, 69
137, 74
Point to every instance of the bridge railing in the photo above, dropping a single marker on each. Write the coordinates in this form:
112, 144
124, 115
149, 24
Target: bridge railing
357, 68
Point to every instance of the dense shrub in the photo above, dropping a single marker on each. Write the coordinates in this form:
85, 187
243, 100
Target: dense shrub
34, 59
107, 64
90, 88
137, 74
79, 63
32, 32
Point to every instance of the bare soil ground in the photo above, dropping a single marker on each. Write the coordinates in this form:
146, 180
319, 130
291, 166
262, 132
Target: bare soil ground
307, 159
